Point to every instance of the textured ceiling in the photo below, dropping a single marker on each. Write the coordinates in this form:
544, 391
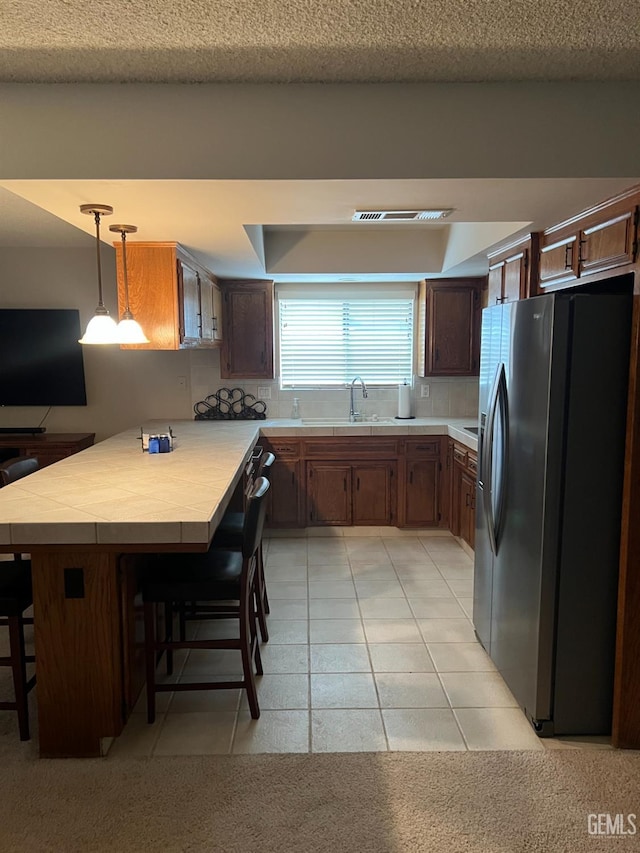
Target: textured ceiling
330, 41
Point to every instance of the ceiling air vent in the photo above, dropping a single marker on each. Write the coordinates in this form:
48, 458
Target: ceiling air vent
400, 215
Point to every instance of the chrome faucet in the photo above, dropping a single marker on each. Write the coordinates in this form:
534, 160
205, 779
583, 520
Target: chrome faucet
353, 415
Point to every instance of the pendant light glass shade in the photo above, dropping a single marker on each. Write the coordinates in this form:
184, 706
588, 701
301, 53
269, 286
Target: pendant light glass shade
129, 330
102, 328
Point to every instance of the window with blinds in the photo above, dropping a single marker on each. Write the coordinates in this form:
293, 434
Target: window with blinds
327, 339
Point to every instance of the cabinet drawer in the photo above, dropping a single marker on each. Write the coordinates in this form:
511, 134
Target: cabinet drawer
282, 447
422, 447
350, 448
472, 462
460, 456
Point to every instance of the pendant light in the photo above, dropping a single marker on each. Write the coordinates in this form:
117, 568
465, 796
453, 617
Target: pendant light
102, 328
129, 330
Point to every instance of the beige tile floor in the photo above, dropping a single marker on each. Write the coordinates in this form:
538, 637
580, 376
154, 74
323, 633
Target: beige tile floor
371, 649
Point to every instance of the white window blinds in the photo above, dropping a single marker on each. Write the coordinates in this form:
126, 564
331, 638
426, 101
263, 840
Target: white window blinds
326, 338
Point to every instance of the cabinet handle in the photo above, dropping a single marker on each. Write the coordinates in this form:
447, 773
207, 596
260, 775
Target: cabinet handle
345, 484
568, 256
437, 354
214, 324
293, 478
357, 484
582, 255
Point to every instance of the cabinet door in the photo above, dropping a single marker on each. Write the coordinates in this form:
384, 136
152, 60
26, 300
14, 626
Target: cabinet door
190, 329
153, 293
467, 509
284, 495
421, 504
373, 487
216, 298
328, 493
608, 244
206, 308
247, 346
559, 261
453, 317
494, 284
515, 270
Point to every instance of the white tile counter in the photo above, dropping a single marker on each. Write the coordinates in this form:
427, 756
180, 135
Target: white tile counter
113, 493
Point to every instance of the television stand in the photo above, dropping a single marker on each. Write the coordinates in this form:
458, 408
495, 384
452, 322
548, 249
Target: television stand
22, 430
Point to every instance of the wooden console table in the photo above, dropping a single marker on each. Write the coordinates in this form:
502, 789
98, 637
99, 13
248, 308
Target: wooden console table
48, 447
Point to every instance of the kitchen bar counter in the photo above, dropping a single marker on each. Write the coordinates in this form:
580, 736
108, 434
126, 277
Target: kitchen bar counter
87, 522
114, 495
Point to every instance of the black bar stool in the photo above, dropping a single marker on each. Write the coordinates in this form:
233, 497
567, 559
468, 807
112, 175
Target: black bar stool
16, 597
208, 582
230, 535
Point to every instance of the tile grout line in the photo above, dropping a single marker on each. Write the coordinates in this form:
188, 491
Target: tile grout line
373, 675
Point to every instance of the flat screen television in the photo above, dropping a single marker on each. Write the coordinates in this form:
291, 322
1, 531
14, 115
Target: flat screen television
41, 360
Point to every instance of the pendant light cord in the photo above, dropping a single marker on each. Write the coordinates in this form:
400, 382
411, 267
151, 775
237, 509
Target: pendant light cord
100, 300
127, 310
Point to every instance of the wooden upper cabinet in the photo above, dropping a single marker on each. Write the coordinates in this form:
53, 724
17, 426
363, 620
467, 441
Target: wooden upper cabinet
247, 315
608, 244
169, 294
559, 258
210, 310
597, 240
450, 327
189, 303
513, 271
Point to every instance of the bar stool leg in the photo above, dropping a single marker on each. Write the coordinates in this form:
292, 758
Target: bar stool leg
19, 669
150, 658
246, 633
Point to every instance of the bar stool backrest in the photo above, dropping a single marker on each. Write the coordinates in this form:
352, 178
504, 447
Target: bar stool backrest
16, 468
254, 516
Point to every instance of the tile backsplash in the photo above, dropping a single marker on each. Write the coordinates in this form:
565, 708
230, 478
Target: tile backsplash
448, 397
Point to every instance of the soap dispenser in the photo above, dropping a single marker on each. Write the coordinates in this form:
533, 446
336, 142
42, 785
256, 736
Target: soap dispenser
295, 409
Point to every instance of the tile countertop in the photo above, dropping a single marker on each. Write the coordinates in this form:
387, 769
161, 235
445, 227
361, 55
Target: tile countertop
114, 494
454, 427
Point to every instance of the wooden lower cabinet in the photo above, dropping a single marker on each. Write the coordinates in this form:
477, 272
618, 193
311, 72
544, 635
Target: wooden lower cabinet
423, 488
328, 493
342, 494
285, 497
467, 509
421, 493
374, 493
379, 481
463, 492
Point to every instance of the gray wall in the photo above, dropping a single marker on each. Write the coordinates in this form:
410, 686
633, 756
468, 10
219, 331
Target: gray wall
439, 130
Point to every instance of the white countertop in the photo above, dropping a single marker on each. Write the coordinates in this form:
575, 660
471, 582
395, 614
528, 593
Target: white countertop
113, 493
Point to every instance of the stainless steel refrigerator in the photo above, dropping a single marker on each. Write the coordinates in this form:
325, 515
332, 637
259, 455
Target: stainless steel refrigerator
552, 418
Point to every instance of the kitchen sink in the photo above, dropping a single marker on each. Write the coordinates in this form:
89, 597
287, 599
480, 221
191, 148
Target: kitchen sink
345, 422
473, 429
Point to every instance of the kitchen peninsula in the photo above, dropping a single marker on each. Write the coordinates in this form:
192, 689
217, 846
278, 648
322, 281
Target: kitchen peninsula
87, 521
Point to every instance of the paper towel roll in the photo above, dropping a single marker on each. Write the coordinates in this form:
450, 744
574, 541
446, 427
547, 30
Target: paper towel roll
404, 401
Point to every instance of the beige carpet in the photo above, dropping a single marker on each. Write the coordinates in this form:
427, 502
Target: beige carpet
489, 802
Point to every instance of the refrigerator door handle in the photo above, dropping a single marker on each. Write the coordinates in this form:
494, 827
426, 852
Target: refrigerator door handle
498, 394
502, 403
